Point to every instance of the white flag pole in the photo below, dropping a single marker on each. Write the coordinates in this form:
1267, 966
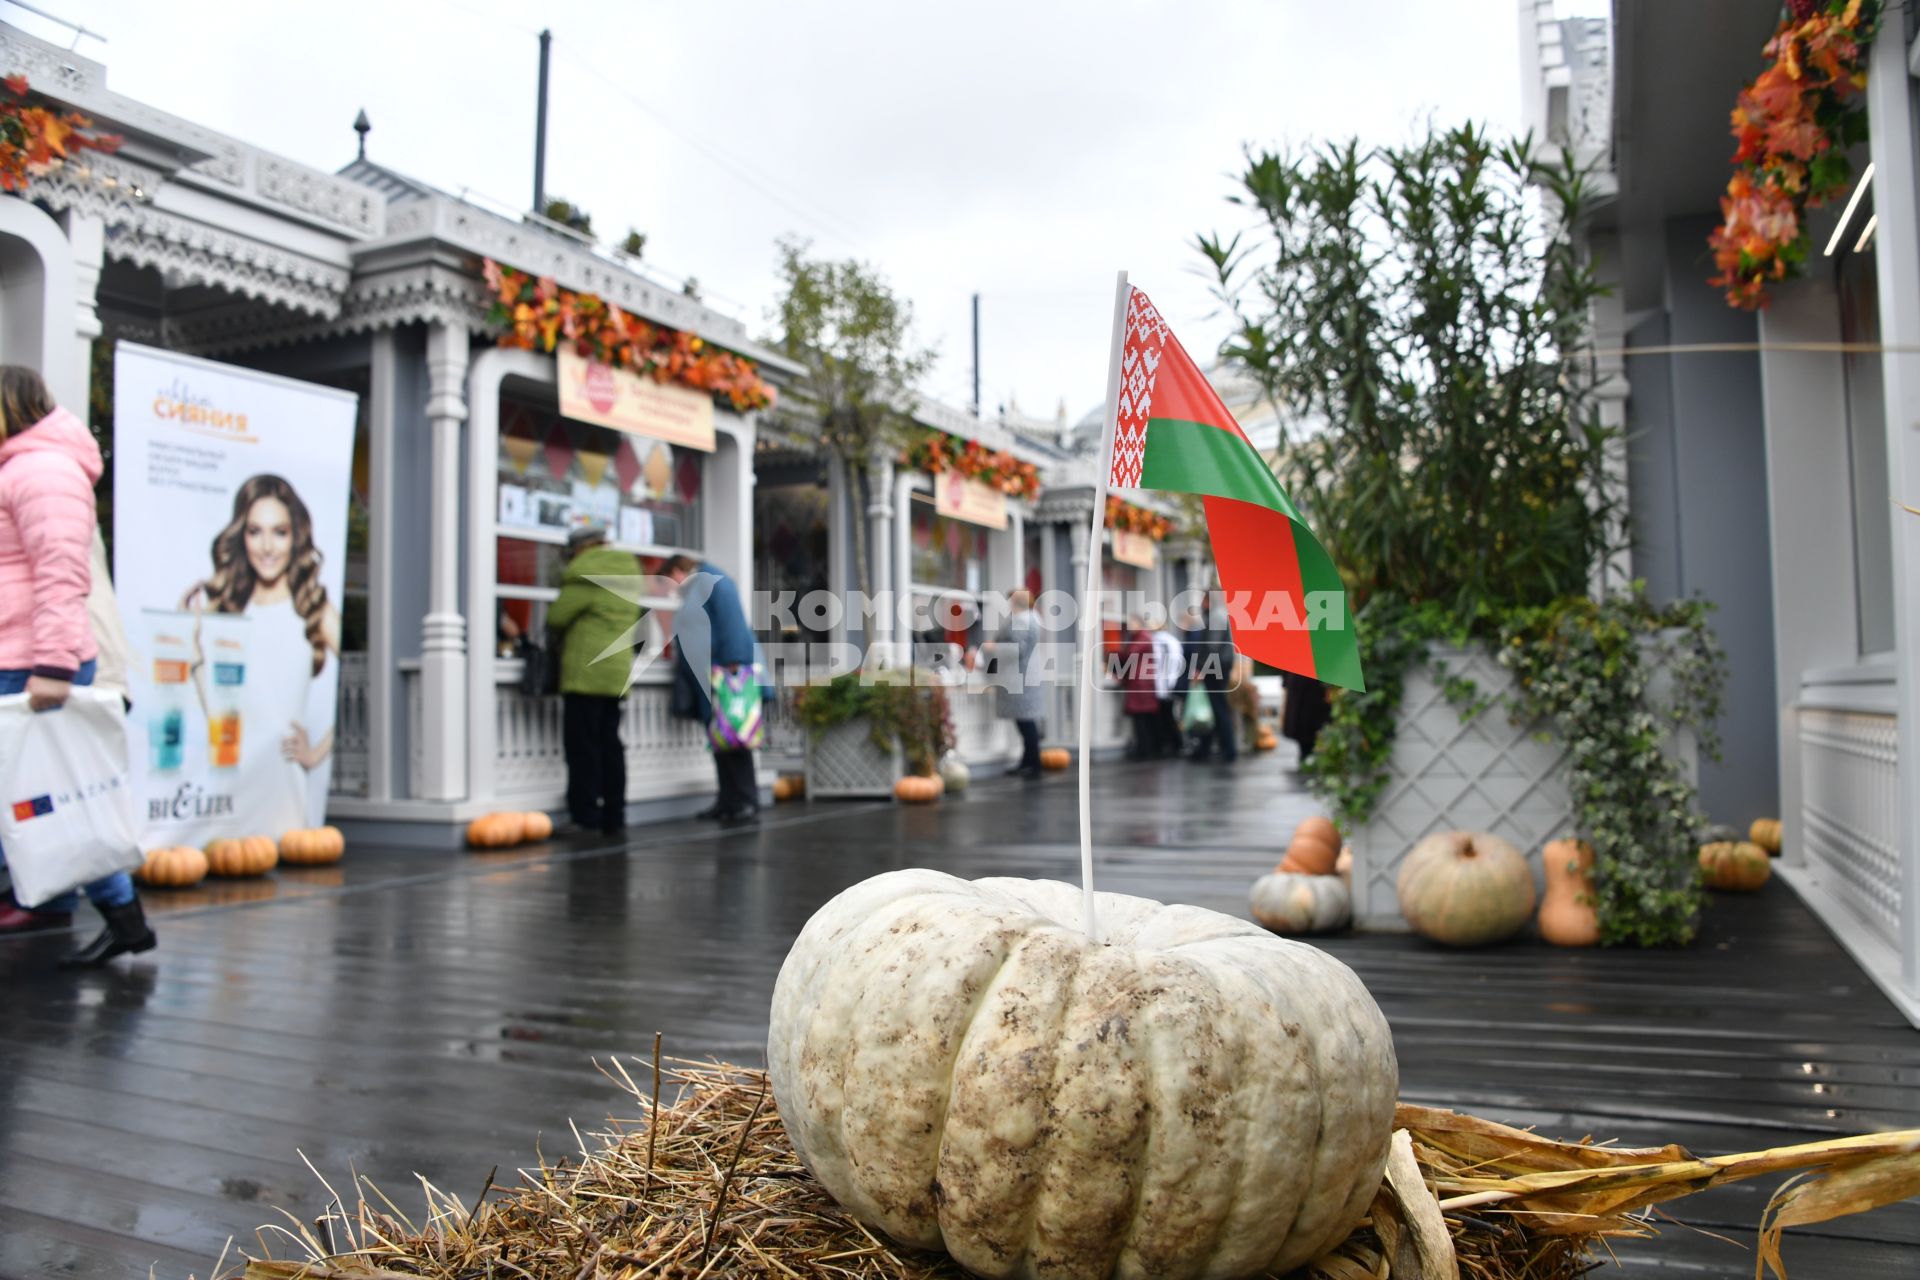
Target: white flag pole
1090, 609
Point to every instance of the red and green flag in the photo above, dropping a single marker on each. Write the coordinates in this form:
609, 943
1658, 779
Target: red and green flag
1285, 601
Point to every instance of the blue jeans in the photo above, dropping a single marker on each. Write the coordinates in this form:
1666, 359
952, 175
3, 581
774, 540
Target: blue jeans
115, 890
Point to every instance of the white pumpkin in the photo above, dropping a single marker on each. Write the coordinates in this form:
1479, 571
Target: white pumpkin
963, 1068
954, 772
1288, 902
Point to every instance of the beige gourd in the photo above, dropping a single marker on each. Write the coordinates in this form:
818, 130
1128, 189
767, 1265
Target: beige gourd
963, 1068
1466, 888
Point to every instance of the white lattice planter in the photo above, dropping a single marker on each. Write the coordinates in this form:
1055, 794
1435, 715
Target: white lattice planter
843, 763
1484, 774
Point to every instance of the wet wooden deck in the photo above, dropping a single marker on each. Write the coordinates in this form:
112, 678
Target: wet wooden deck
438, 1014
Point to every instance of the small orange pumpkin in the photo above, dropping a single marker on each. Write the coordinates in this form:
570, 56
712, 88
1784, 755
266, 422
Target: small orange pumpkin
496, 830
315, 848
1765, 832
1567, 915
174, 867
789, 786
535, 826
246, 856
1739, 866
1056, 758
1315, 848
916, 789
1266, 739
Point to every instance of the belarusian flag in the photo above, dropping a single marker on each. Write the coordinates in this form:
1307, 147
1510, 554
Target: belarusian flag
1285, 600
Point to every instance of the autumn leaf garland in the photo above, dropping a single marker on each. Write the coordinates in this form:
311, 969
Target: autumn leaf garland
934, 451
1127, 518
537, 314
34, 139
1794, 125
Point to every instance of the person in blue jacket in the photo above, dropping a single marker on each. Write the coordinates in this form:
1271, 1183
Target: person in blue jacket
711, 635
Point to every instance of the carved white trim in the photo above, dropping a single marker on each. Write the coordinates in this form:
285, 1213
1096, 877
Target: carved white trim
100, 186
336, 200
417, 295
46, 68
199, 254
227, 165
1071, 506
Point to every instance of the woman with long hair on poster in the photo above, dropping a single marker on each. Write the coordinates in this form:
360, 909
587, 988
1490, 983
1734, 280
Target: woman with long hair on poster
48, 465
267, 569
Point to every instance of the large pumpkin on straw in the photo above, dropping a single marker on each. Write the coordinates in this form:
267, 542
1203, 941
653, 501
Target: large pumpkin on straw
963, 1068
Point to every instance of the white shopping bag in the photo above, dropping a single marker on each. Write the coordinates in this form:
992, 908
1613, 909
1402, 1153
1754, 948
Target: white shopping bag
66, 805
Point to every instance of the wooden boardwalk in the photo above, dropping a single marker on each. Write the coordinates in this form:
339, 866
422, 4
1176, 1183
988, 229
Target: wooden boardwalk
439, 1014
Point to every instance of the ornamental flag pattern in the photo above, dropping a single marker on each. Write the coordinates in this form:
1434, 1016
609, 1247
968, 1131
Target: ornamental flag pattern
1146, 337
1280, 589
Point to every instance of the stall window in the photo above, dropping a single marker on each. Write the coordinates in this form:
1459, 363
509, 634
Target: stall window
556, 474
949, 573
790, 549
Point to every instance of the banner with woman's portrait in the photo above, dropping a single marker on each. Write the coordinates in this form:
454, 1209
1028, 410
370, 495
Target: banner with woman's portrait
229, 552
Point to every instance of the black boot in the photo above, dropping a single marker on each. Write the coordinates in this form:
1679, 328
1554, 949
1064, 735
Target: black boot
126, 931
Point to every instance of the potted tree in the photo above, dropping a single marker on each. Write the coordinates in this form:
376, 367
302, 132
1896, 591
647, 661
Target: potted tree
1421, 315
865, 729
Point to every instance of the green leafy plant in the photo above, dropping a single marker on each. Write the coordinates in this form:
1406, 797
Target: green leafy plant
563, 211
902, 705
1617, 678
1420, 313
1416, 312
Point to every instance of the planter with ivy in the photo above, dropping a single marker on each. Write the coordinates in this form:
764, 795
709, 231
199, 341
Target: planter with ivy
866, 729
1427, 308
1586, 717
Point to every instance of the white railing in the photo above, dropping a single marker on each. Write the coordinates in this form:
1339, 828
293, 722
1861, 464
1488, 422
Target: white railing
980, 736
665, 756
352, 772
1850, 778
1062, 726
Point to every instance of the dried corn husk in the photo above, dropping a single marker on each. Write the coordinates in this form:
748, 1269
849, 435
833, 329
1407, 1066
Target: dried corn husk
705, 1183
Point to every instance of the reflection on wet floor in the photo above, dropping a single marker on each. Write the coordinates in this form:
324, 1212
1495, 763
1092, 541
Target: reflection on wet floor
403, 1012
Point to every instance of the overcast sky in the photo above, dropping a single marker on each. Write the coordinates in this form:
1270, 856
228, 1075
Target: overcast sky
1025, 151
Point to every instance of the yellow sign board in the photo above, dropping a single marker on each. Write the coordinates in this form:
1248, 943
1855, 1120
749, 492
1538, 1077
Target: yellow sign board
617, 398
1136, 549
959, 498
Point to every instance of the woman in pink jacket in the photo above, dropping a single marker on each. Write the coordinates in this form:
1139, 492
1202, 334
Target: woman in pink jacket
48, 466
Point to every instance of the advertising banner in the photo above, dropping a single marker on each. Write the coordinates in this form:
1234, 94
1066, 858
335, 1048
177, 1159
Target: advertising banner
959, 498
229, 555
1136, 549
608, 397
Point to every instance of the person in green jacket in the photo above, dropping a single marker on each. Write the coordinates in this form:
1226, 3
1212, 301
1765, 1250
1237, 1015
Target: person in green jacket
593, 681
